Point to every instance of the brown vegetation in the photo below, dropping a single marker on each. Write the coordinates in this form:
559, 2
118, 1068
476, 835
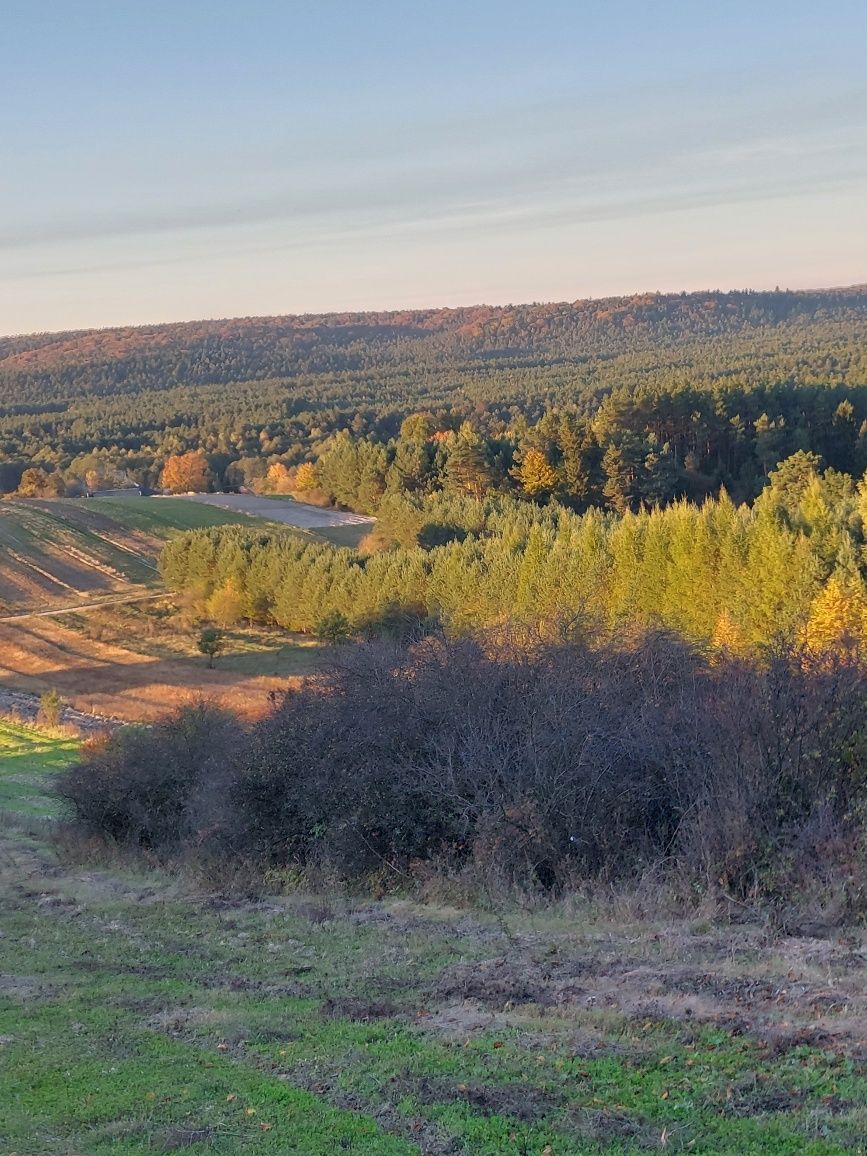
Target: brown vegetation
108, 679
535, 770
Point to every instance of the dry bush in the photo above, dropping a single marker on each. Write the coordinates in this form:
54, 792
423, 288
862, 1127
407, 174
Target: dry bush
158, 787
531, 767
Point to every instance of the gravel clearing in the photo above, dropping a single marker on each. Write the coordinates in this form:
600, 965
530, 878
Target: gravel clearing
281, 510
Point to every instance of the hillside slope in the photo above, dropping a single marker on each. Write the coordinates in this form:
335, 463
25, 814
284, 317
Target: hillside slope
202, 352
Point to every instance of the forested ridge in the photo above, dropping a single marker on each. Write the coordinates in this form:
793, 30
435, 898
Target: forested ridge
733, 382
127, 359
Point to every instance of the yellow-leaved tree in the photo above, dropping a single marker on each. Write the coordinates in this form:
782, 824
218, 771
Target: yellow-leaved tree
728, 636
305, 477
838, 618
226, 604
535, 474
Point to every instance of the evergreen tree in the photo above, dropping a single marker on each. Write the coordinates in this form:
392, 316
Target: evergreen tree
467, 469
838, 617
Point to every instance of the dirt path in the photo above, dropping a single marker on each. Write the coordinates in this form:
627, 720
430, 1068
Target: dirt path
103, 602
26, 707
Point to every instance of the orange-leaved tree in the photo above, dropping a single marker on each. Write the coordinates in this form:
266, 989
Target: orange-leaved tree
184, 473
278, 480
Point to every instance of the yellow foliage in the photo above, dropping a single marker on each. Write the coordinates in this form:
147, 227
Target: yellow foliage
305, 477
226, 605
838, 618
728, 636
278, 480
536, 474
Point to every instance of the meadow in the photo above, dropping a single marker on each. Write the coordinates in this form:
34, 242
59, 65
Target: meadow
99, 667
28, 756
141, 1012
69, 551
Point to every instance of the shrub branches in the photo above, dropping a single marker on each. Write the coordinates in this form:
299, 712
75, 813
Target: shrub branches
540, 767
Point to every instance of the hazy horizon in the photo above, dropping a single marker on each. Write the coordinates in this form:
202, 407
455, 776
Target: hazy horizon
204, 161
432, 308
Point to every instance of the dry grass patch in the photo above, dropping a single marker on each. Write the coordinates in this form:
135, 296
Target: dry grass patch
107, 679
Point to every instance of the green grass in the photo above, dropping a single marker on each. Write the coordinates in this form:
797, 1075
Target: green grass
350, 536
139, 1015
259, 652
42, 534
94, 546
28, 759
164, 516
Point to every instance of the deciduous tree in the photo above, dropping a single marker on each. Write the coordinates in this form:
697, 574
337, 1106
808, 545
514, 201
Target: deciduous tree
186, 473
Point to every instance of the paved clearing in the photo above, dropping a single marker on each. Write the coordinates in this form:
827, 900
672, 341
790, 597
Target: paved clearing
281, 510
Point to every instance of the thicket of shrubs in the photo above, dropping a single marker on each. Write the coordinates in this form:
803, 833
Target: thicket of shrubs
533, 766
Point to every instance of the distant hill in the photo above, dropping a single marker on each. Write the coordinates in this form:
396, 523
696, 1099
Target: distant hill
106, 361
736, 380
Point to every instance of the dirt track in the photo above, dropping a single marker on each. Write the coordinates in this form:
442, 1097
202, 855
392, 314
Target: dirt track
101, 604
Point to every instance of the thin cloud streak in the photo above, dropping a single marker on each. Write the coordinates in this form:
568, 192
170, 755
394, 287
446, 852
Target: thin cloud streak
553, 157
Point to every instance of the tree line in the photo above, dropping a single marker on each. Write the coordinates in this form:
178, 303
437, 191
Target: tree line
628, 401
735, 578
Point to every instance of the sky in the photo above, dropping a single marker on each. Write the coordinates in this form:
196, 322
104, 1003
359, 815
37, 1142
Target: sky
167, 161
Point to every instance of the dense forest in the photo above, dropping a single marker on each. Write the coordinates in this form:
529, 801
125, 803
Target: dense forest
787, 570
616, 403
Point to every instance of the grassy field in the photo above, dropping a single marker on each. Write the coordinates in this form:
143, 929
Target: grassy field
158, 635
69, 551
107, 663
139, 1014
27, 757
120, 661
349, 536
164, 516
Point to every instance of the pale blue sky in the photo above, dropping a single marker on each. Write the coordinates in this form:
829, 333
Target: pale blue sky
198, 158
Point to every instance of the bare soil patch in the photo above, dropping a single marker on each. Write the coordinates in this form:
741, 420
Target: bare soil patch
100, 678
781, 1006
363, 1011
516, 1100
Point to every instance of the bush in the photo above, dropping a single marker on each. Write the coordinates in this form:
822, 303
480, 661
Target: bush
534, 767
158, 787
333, 628
50, 712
